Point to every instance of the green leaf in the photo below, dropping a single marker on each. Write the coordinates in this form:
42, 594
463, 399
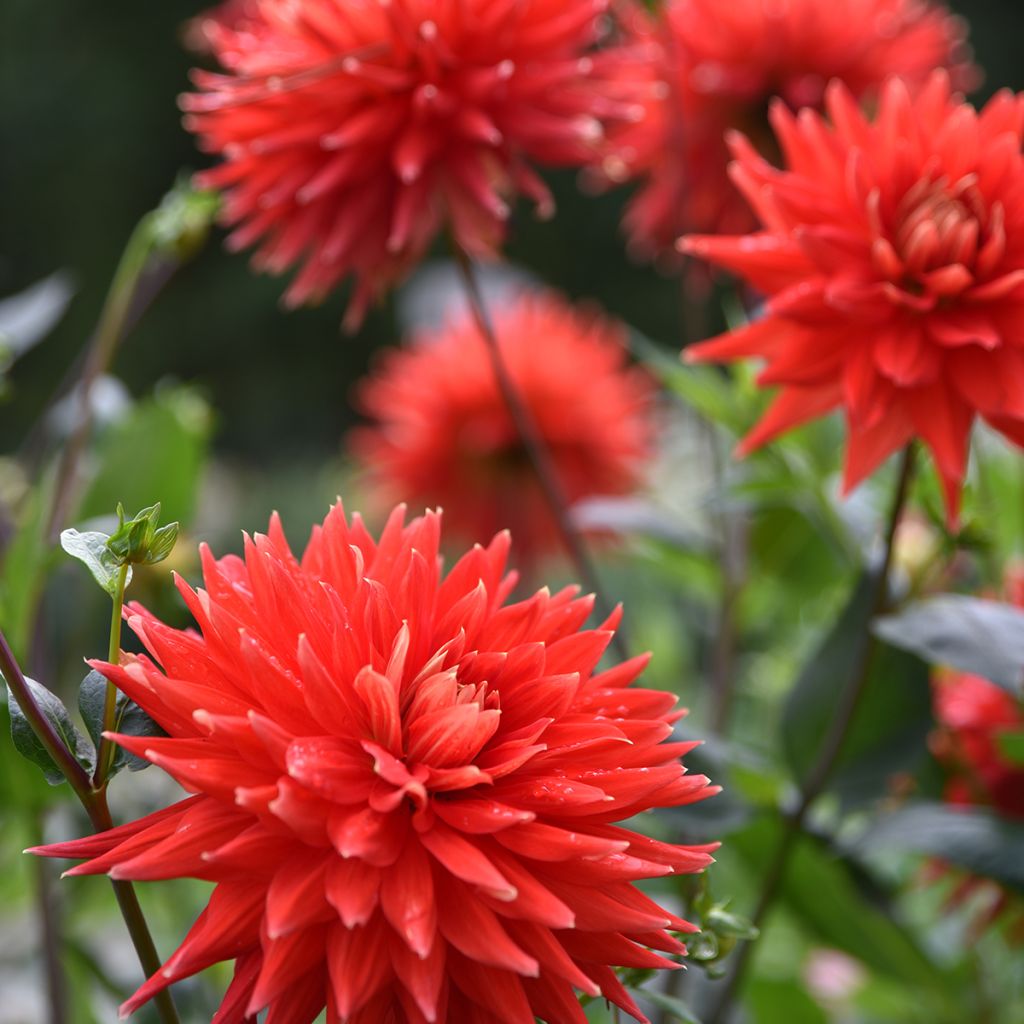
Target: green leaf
158, 450
983, 637
893, 718
671, 1004
129, 719
28, 744
92, 549
840, 906
722, 922
709, 390
774, 1001
26, 558
971, 837
1011, 746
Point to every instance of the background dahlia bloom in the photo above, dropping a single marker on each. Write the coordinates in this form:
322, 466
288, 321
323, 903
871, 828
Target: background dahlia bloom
443, 434
892, 258
702, 68
405, 789
351, 132
973, 716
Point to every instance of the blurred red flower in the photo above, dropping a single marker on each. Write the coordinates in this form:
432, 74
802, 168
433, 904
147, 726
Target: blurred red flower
892, 257
443, 434
974, 713
702, 68
405, 788
974, 716
350, 133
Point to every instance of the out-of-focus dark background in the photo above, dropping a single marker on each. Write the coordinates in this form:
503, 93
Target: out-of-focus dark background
90, 139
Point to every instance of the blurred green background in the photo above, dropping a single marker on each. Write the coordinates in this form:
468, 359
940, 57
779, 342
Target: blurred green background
90, 140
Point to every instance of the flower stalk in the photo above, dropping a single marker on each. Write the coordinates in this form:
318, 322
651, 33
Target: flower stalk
105, 754
94, 800
831, 749
533, 444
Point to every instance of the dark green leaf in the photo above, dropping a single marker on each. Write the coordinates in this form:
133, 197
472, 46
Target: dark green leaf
970, 837
28, 744
129, 719
840, 906
889, 733
967, 633
91, 548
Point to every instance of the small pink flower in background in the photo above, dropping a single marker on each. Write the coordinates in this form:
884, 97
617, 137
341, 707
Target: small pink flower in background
703, 68
891, 253
405, 789
443, 435
350, 134
832, 977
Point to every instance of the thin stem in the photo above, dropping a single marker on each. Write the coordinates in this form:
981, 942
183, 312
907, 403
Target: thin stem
41, 726
52, 941
533, 443
831, 749
732, 554
105, 755
134, 919
95, 803
109, 331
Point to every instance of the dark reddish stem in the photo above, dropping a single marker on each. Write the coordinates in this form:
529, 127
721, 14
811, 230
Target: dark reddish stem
95, 803
829, 754
533, 443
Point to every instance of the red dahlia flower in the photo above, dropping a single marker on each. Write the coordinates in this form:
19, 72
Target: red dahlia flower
892, 257
405, 788
703, 68
351, 132
443, 434
973, 716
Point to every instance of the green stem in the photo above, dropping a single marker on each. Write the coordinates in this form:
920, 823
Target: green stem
111, 328
106, 753
830, 752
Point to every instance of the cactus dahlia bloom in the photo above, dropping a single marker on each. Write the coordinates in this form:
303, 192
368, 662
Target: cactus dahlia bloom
892, 257
350, 132
703, 68
443, 434
405, 787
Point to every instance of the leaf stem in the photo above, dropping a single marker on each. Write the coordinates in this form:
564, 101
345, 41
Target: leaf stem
830, 751
105, 754
533, 443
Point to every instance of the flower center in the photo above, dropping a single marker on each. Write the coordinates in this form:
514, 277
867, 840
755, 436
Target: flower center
938, 225
940, 238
